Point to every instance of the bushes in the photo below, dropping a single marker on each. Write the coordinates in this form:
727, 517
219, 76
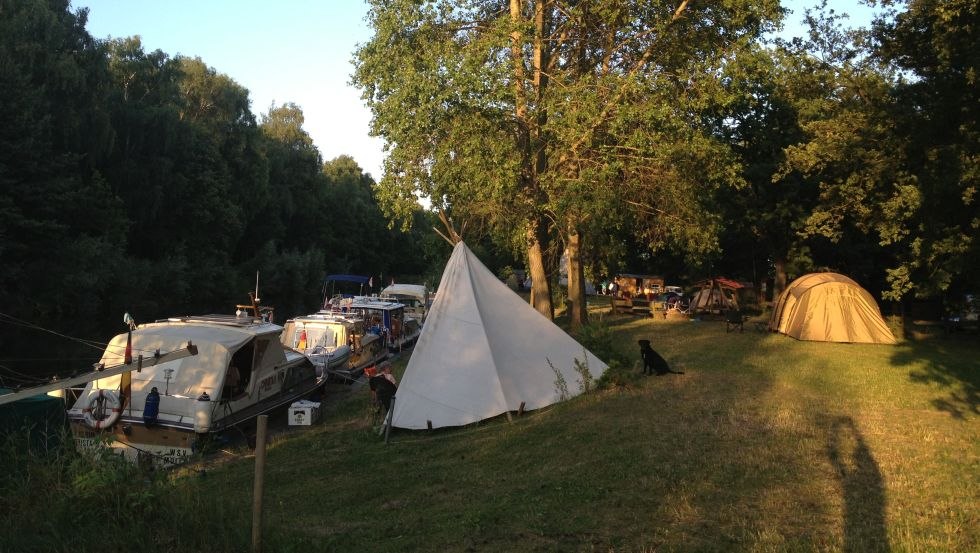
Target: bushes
598, 338
62, 498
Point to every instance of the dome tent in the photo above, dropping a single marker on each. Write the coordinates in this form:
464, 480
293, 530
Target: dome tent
484, 351
829, 307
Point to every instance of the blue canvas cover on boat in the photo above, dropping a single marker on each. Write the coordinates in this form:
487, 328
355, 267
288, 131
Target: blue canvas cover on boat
347, 278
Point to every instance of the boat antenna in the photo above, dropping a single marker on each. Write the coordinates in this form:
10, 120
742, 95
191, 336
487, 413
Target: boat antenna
257, 300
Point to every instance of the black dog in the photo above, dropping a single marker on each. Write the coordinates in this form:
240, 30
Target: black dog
653, 361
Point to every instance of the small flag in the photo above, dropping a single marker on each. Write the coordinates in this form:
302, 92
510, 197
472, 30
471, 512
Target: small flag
128, 358
302, 340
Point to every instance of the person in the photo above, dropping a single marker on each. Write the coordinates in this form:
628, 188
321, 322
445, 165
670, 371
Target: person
386, 373
383, 386
653, 362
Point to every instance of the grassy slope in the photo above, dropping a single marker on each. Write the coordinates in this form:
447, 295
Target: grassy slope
765, 444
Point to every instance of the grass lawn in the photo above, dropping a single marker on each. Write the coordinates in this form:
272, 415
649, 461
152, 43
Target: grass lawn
765, 444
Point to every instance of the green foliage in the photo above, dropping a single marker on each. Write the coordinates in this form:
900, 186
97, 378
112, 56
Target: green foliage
561, 385
586, 382
601, 129
600, 338
559, 297
890, 124
136, 181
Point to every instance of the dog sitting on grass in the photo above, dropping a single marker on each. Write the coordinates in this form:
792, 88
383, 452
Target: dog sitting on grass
653, 362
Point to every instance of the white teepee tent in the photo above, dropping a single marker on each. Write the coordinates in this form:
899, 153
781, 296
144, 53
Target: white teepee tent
483, 352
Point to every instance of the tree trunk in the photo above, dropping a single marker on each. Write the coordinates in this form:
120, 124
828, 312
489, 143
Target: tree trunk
540, 288
780, 281
578, 313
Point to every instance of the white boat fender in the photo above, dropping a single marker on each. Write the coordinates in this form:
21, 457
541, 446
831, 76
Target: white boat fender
104, 402
202, 414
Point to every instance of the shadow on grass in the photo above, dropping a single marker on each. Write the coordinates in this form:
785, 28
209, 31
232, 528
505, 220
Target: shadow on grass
861, 486
950, 365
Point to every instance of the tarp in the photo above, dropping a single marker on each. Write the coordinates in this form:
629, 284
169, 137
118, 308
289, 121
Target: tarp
484, 351
829, 307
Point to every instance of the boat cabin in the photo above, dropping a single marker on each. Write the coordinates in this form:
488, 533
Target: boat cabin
415, 298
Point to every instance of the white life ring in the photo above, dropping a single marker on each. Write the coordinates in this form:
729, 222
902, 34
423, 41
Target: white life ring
110, 404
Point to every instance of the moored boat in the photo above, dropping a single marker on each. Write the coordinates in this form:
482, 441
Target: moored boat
415, 298
163, 412
337, 343
387, 319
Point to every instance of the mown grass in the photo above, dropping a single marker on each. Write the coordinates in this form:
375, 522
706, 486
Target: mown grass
765, 444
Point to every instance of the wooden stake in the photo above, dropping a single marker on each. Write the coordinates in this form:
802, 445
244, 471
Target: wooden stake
388, 417
260, 429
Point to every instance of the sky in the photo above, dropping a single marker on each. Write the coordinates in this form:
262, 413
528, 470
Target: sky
297, 51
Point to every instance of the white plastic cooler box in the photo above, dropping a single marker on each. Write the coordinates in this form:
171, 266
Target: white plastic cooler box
304, 413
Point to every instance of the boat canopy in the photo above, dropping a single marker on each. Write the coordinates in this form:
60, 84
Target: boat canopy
190, 376
347, 278
407, 291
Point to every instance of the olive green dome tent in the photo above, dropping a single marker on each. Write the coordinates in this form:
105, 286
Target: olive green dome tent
829, 307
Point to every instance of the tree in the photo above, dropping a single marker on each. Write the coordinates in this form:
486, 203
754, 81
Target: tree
933, 45
541, 116
890, 138
62, 230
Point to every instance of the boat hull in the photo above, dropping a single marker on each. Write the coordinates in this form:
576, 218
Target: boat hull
171, 442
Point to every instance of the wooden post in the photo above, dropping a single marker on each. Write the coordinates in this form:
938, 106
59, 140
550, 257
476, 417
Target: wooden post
260, 431
388, 417
520, 410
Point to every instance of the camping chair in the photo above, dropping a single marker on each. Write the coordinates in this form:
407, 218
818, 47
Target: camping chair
734, 320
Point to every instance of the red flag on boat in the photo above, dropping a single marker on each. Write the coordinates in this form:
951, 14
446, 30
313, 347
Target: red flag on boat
128, 358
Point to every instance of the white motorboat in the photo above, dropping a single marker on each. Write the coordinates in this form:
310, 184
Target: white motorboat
415, 298
388, 320
163, 412
337, 343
